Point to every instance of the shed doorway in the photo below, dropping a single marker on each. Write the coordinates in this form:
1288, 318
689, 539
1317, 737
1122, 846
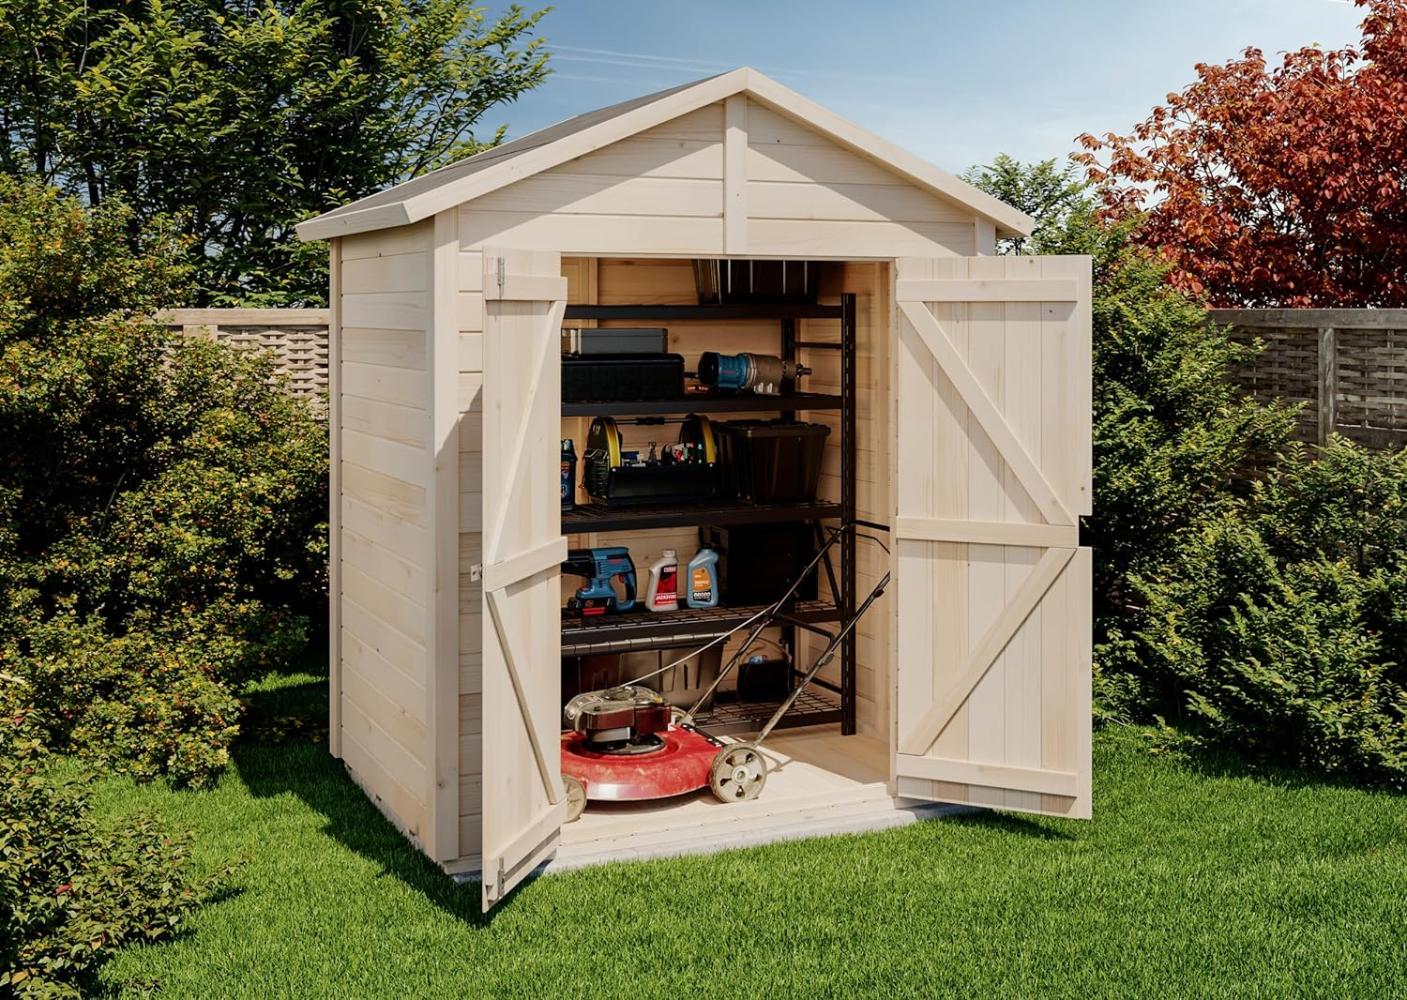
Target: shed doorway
828, 761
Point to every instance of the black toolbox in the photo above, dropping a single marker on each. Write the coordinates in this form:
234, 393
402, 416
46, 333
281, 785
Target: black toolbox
618, 477
615, 378
770, 461
758, 562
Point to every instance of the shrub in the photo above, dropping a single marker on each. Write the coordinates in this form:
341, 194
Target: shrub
160, 536
71, 892
1279, 631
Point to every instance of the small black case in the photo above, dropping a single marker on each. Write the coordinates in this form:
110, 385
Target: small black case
611, 378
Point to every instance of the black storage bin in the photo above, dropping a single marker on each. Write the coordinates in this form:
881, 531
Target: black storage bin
770, 461
621, 377
758, 562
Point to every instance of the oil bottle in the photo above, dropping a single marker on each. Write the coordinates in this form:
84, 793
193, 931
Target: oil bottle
662, 594
701, 586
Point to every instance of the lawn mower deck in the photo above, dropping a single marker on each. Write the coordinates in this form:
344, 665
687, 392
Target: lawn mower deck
625, 746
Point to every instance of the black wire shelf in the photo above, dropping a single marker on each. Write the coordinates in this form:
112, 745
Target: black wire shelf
704, 403
730, 716
645, 630
598, 517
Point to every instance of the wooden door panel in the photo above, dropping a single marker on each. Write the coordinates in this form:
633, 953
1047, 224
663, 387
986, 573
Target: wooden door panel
523, 802
992, 435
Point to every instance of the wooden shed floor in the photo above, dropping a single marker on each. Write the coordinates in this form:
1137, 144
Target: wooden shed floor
818, 783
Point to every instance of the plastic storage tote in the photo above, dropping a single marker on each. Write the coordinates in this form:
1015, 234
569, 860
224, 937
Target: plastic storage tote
770, 461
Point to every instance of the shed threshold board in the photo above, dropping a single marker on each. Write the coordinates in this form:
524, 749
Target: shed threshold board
819, 783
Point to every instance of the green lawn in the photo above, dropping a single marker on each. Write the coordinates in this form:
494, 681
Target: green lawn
1195, 878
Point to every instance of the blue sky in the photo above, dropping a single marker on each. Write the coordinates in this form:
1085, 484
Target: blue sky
955, 82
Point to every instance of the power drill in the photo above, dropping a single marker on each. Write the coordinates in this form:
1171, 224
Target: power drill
599, 567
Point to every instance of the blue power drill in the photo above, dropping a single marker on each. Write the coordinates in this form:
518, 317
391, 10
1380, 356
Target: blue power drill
600, 566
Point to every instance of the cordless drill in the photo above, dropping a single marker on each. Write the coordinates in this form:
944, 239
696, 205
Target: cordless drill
599, 567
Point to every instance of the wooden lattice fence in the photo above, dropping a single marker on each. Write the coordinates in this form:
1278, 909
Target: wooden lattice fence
1348, 366
297, 338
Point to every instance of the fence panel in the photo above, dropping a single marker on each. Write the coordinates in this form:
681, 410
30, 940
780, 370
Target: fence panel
297, 338
1349, 366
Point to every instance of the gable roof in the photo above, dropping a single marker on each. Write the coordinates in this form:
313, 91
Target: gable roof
475, 176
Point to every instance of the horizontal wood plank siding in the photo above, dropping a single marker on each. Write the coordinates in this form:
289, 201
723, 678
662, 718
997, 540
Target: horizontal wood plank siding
383, 468
658, 192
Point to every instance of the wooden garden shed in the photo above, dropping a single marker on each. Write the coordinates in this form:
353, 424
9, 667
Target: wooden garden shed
957, 386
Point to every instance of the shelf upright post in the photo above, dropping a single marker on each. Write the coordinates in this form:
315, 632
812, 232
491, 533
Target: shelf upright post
849, 395
788, 387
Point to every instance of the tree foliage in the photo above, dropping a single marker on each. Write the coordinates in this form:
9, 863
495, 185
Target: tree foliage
160, 501
239, 119
1052, 195
1277, 186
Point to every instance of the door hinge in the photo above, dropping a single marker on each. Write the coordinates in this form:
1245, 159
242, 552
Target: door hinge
502, 267
476, 572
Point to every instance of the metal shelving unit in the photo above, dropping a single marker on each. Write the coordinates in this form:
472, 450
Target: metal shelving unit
647, 631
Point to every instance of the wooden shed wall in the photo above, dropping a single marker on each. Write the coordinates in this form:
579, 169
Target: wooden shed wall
806, 195
663, 191
382, 531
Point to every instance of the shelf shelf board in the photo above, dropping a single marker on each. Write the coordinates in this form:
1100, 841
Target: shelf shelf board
729, 717
599, 517
704, 403
645, 630
740, 310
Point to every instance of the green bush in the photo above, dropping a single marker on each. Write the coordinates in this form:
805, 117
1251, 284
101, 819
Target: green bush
1279, 631
71, 892
161, 506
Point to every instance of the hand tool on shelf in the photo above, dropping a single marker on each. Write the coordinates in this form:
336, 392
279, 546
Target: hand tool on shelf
747, 372
600, 567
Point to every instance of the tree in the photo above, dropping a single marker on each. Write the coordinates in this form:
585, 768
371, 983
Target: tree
239, 119
1050, 194
1169, 430
1277, 187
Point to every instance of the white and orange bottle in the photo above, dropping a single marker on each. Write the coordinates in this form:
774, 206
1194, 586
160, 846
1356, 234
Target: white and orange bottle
701, 580
662, 594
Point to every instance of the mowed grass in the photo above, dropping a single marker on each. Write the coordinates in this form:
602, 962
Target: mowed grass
1195, 878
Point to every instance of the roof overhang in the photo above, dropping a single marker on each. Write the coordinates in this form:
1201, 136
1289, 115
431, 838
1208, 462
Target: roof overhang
476, 176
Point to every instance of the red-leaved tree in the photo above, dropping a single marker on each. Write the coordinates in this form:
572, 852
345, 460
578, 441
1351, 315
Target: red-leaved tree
1282, 186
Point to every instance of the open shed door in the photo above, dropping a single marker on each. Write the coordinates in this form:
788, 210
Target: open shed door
523, 548
992, 470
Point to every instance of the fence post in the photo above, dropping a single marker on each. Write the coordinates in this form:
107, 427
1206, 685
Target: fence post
1328, 383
